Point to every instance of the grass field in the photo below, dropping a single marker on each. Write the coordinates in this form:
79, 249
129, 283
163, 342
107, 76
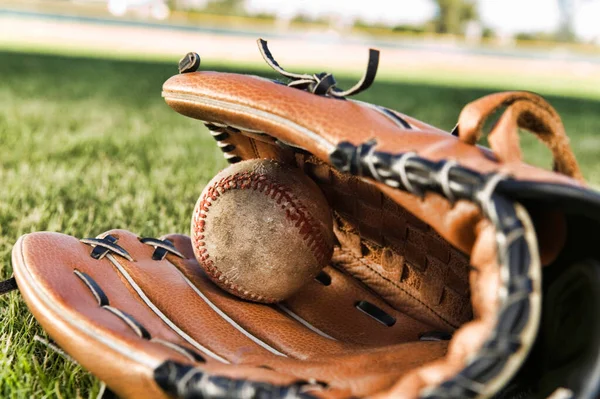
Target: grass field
89, 145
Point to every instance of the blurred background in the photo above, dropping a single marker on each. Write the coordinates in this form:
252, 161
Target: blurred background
556, 40
87, 144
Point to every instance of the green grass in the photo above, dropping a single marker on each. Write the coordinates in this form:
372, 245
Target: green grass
88, 145
487, 77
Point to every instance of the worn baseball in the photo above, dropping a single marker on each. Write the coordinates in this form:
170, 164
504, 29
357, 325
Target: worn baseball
261, 230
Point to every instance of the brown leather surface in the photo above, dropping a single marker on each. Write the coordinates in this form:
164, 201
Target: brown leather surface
528, 111
485, 282
394, 253
314, 113
331, 309
429, 264
44, 265
258, 105
328, 308
44, 284
397, 255
410, 251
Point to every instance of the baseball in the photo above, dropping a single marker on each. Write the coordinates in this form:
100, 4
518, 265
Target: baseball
261, 230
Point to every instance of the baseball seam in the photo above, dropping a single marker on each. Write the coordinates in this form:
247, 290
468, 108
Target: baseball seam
294, 211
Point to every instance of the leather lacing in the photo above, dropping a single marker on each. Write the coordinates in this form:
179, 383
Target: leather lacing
323, 83
162, 247
423, 175
196, 380
221, 134
188, 379
8, 285
416, 175
185, 381
108, 244
104, 246
405, 172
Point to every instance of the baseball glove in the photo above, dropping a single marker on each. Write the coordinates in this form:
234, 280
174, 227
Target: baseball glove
434, 289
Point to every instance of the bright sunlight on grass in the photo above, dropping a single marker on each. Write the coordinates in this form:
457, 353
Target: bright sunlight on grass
89, 145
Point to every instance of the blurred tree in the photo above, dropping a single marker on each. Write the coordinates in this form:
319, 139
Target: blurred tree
454, 14
487, 32
187, 4
566, 31
307, 19
535, 37
225, 7
413, 29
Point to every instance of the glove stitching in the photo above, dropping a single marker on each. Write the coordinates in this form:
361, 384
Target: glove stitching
294, 209
362, 261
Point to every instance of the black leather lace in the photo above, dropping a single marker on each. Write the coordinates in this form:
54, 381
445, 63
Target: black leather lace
323, 83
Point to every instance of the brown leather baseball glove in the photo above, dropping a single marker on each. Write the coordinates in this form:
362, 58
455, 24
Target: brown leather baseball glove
458, 271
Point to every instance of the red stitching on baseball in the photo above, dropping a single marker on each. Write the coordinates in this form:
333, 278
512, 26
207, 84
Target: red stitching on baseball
294, 210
